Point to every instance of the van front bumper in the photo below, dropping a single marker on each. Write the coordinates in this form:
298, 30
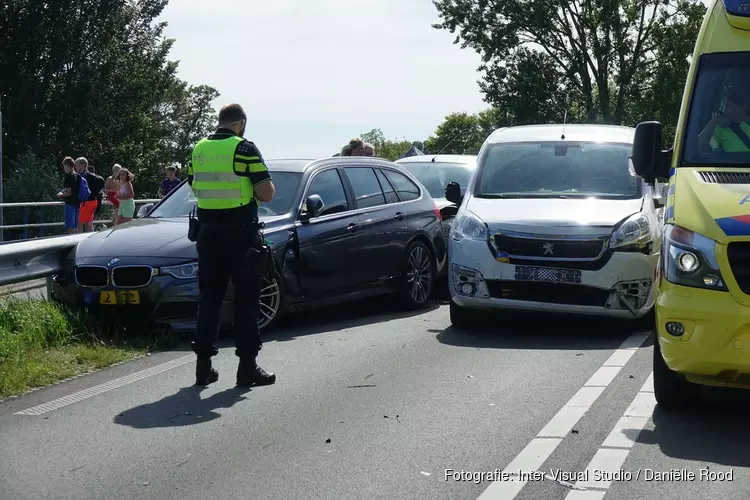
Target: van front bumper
715, 346
621, 288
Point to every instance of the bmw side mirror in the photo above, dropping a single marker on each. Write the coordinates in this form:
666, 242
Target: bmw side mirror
313, 207
453, 193
144, 210
649, 161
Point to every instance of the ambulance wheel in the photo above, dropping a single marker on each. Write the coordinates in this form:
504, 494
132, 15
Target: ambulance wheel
673, 391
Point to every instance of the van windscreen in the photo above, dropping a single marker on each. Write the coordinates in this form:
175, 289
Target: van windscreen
562, 169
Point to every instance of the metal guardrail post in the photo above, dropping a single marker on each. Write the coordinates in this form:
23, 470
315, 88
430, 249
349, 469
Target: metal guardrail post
41, 221
25, 232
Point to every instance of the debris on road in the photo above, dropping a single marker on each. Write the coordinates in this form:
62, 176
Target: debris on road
369, 376
579, 354
470, 376
386, 416
77, 468
358, 386
574, 431
328, 441
146, 483
425, 473
631, 376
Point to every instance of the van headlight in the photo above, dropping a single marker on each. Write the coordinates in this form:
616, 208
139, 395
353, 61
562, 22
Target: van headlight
182, 272
468, 226
633, 234
689, 259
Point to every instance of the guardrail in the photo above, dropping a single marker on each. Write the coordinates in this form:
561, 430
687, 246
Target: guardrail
42, 225
34, 259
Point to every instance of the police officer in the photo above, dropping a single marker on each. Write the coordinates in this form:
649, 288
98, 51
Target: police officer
229, 178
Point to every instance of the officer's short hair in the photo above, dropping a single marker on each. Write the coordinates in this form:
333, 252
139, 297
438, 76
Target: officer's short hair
231, 113
171, 168
83, 161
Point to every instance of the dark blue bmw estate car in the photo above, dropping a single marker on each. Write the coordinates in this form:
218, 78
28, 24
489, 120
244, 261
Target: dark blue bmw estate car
339, 229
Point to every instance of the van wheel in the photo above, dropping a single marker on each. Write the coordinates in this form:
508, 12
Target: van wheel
672, 391
419, 276
461, 317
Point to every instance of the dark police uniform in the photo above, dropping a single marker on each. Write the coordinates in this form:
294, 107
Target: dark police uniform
223, 171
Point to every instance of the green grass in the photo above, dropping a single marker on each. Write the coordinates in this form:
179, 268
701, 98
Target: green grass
42, 342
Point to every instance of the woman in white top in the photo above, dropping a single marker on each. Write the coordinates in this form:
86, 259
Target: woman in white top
126, 196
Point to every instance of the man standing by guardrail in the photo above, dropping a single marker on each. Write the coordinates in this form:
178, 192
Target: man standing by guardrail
69, 196
88, 206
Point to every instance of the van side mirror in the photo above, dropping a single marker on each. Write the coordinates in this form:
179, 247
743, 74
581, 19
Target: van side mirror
144, 210
313, 207
453, 193
649, 161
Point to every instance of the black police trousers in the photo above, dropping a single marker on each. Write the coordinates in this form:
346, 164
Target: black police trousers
223, 256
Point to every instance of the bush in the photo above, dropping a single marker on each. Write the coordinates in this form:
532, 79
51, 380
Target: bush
42, 342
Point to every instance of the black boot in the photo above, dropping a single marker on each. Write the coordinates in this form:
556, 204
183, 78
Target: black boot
250, 374
204, 373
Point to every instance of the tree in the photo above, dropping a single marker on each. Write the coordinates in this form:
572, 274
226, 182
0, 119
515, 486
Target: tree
463, 133
385, 148
550, 55
458, 134
92, 78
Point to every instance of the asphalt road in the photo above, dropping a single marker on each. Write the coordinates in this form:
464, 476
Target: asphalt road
375, 403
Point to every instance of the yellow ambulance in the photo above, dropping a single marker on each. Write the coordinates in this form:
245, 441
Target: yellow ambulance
703, 278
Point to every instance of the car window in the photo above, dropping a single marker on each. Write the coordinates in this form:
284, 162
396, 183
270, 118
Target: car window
390, 193
366, 187
435, 176
329, 187
718, 128
405, 188
558, 169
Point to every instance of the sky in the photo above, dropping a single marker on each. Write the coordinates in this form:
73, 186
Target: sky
313, 74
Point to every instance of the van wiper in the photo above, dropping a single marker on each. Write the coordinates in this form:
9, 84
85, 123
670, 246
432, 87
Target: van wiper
524, 195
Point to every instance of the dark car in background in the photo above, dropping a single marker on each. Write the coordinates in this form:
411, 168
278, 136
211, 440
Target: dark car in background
435, 172
339, 229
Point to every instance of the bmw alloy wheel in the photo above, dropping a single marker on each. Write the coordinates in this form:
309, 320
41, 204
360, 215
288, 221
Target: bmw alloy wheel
419, 276
270, 300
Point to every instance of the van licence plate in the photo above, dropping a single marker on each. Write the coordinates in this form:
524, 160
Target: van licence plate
550, 274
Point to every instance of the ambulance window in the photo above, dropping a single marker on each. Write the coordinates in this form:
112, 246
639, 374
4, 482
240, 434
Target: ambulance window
718, 125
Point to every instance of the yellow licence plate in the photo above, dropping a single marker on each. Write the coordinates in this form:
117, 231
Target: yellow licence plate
114, 297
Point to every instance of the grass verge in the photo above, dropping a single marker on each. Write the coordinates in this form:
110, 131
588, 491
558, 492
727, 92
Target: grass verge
43, 342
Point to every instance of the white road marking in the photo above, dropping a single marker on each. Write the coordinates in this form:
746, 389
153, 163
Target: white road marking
107, 386
616, 447
533, 456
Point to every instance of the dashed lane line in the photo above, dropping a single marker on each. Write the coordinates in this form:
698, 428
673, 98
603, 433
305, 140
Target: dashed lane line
609, 459
539, 449
76, 397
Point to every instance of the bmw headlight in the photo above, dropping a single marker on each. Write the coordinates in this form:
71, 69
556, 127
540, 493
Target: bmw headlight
634, 234
182, 272
468, 226
689, 259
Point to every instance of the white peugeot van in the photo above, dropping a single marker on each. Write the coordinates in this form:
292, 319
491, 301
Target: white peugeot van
554, 219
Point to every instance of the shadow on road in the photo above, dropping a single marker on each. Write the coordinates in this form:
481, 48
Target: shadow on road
510, 330
350, 315
186, 407
716, 433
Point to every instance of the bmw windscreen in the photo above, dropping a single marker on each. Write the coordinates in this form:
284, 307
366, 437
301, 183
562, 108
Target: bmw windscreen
557, 170
182, 201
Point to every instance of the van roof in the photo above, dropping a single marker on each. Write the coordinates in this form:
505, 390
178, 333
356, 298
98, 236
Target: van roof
571, 132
